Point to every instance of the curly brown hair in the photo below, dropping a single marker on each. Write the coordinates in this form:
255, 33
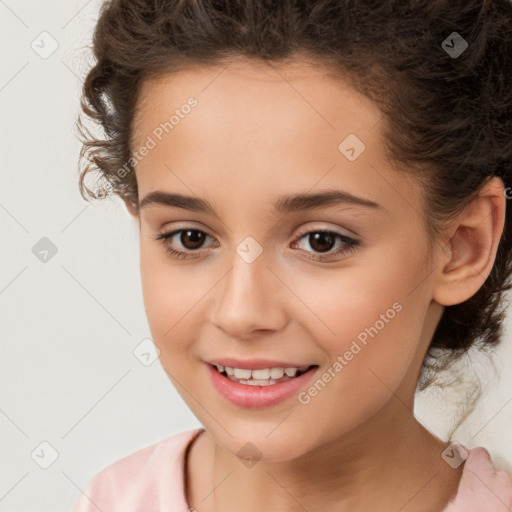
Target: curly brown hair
439, 70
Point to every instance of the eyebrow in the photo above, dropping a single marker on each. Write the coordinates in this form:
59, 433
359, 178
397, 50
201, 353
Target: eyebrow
284, 204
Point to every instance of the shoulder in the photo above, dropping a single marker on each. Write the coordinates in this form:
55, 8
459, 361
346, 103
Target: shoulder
482, 488
153, 474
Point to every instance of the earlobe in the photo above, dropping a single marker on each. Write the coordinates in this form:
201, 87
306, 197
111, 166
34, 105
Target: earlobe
472, 248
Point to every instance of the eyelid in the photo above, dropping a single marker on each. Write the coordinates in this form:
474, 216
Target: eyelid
176, 226
171, 233
303, 231
341, 231
351, 244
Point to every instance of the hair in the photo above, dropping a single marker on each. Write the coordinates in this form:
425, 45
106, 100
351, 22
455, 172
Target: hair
447, 118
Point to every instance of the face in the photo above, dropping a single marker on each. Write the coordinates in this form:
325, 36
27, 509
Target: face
342, 284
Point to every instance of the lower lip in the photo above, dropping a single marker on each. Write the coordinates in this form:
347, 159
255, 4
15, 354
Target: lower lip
254, 397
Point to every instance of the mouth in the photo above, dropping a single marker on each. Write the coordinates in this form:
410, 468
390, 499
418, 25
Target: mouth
259, 387
263, 376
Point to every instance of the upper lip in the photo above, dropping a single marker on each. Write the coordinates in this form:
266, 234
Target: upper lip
255, 364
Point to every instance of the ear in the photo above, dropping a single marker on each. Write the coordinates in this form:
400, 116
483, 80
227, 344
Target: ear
471, 249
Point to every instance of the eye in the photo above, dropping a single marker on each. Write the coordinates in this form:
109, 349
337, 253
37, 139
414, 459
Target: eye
323, 241
190, 239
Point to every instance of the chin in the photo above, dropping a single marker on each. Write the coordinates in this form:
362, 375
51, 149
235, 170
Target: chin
252, 443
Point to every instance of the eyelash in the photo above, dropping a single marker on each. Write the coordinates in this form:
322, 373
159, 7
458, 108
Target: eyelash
350, 243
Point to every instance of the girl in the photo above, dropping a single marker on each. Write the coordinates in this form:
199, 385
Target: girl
321, 194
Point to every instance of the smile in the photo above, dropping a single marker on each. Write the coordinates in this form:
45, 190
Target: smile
262, 387
262, 377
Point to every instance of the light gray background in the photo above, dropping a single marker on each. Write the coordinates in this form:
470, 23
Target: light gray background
70, 324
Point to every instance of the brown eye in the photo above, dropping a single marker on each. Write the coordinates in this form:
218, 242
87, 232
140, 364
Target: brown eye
321, 241
192, 238
324, 241
190, 241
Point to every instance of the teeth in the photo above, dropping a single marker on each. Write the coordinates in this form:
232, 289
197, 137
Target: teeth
260, 374
242, 374
252, 382
276, 373
262, 382
261, 377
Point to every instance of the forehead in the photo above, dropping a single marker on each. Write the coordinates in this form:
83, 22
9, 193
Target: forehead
252, 90
260, 127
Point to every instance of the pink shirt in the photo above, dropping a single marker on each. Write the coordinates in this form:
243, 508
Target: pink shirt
152, 480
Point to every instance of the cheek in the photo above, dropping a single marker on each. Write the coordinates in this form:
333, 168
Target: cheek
366, 318
172, 299
368, 356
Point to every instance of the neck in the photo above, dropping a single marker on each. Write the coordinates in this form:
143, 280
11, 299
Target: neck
390, 460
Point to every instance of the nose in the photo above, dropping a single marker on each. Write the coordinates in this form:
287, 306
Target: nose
250, 300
